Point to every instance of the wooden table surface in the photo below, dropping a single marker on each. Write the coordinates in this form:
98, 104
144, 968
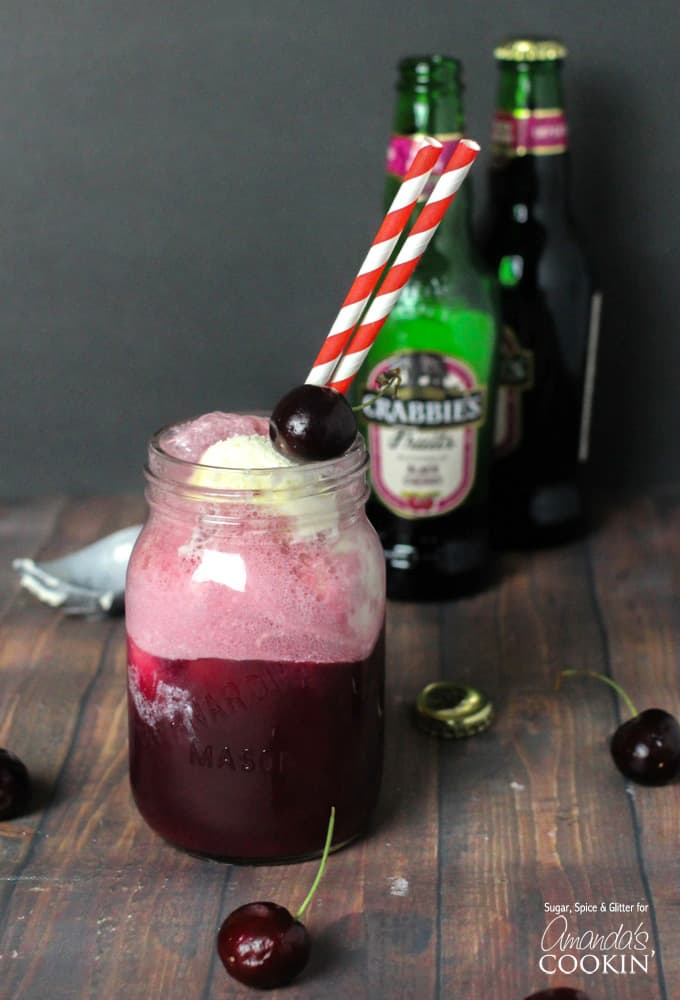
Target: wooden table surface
448, 894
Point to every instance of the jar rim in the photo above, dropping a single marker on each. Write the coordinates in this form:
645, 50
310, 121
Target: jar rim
163, 467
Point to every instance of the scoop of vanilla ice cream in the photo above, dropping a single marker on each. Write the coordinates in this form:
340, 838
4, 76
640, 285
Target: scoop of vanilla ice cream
242, 451
224, 461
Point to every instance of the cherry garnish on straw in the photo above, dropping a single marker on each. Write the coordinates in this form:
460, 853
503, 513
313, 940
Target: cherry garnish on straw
646, 748
262, 944
314, 423
15, 785
558, 993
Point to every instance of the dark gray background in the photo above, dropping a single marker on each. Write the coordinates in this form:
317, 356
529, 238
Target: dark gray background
189, 188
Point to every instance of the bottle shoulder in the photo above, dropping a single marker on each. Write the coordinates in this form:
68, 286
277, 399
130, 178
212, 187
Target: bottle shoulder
461, 283
443, 301
458, 327
531, 190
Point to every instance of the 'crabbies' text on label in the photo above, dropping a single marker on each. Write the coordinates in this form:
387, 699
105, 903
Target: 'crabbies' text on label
423, 441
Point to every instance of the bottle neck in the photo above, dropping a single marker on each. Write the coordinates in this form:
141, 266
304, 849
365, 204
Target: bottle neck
529, 166
454, 237
436, 112
531, 88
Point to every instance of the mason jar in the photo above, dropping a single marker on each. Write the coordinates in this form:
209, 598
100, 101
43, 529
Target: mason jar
255, 605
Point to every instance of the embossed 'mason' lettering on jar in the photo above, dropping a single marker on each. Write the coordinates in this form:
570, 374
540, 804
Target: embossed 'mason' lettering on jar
266, 759
255, 655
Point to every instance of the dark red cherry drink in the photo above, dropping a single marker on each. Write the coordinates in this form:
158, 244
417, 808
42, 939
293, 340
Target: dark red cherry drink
255, 608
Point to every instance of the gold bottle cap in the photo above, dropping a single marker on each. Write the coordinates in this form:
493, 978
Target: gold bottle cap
530, 50
452, 711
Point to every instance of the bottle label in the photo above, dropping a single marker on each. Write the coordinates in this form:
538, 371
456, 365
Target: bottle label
541, 132
515, 376
423, 442
403, 148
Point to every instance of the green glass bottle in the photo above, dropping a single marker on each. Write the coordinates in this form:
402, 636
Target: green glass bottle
430, 445
549, 310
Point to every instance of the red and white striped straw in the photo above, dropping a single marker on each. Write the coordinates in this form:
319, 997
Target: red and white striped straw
423, 230
369, 273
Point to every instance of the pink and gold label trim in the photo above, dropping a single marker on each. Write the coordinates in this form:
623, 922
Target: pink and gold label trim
538, 133
403, 148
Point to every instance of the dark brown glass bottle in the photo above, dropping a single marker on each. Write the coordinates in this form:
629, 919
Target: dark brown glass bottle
548, 306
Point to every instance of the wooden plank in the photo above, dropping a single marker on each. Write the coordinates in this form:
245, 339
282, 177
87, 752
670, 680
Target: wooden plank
636, 565
48, 664
531, 812
400, 916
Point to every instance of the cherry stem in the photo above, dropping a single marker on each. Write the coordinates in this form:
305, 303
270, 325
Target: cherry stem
605, 680
388, 381
322, 865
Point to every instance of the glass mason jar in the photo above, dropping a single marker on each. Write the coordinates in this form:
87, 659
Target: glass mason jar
255, 622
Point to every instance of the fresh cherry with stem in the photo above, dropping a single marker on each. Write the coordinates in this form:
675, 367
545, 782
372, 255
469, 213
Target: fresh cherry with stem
314, 423
646, 748
15, 785
263, 944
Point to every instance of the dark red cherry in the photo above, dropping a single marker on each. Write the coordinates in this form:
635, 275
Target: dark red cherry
558, 993
15, 785
312, 423
263, 945
646, 748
